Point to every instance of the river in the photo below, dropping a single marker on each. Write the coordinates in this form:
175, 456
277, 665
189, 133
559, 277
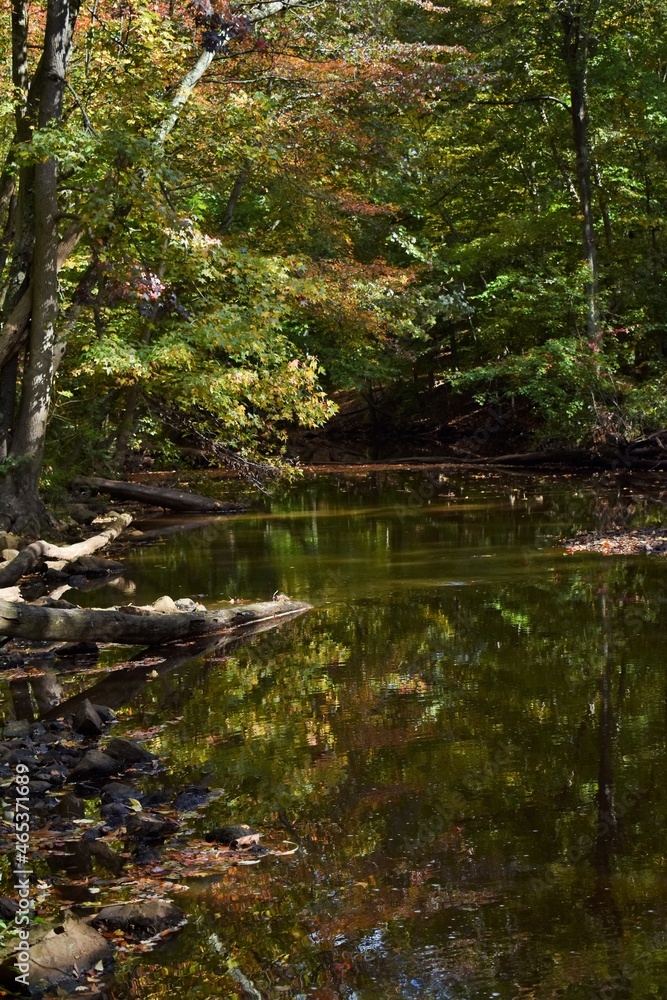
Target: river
466, 738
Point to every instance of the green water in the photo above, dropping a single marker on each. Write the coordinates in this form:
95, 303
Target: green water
467, 735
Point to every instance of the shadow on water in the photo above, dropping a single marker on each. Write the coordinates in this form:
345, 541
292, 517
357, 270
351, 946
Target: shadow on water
466, 737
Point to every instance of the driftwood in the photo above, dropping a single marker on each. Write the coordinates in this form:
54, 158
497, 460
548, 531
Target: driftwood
36, 552
158, 496
132, 626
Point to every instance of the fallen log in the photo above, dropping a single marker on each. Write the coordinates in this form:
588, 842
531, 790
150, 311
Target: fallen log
158, 496
36, 552
133, 626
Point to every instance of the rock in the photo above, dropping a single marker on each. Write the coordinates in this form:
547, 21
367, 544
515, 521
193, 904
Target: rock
95, 766
79, 648
106, 714
114, 815
39, 787
52, 602
17, 729
74, 859
55, 776
80, 513
148, 826
9, 554
141, 920
70, 806
191, 798
86, 720
157, 798
128, 751
165, 605
94, 833
25, 757
233, 836
116, 791
106, 857
57, 726
94, 566
187, 604
66, 950
8, 908
10, 541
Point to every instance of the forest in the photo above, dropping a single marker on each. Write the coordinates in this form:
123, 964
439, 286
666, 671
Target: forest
333, 438
221, 225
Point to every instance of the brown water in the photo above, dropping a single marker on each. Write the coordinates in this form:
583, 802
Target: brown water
466, 736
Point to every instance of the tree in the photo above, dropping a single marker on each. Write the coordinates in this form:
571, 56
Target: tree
183, 304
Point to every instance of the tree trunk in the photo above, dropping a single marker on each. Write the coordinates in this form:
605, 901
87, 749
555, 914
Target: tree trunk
159, 496
22, 507
575, 53
232, 201
32, 554
27, 621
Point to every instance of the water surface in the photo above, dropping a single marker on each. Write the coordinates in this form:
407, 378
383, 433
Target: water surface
466, 736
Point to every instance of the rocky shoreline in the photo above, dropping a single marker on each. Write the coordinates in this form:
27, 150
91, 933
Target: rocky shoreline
642, 541
79, 862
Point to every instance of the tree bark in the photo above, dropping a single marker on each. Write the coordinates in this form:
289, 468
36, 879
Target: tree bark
27, 621
159, 496
20, 488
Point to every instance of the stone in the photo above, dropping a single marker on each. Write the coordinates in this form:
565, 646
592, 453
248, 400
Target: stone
148, 826
106, 714
114, 815
8, 908
128, 751
10, 541
116, 791
65, 950
40, 787
9, 554
106, 857
93, 833
52, 602
239, 835
95, 766
55, 776
16, 729
86, 720
94, 566
159, 797
191, 798
165, 605
80, 513
57, 726
141, 920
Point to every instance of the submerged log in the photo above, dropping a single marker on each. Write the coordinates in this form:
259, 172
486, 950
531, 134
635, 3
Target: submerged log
159, 496
36, 552
133, 626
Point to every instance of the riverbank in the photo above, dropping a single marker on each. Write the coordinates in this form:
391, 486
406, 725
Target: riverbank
620, 543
